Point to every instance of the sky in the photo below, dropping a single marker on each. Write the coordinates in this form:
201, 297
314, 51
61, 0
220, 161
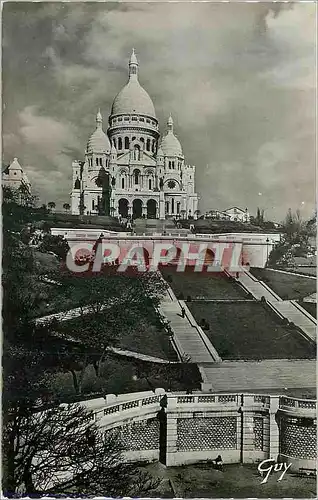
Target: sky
238, 78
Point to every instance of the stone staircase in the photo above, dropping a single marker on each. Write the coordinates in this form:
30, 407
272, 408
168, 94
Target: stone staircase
153, 226
297, 315
189, 337
288, 309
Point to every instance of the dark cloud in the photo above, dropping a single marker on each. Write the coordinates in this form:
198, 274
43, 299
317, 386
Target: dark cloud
238, 78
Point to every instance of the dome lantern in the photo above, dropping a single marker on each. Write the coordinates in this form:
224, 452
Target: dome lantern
133, 66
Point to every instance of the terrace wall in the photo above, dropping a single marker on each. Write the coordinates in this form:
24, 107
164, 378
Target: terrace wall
255, 247
243, 428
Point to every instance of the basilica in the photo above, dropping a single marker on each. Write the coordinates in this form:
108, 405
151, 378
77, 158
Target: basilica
131, 171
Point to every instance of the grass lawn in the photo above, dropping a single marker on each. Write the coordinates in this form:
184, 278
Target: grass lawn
236, 481
202, 285
146, 337
249, 331
287, 286
310, 307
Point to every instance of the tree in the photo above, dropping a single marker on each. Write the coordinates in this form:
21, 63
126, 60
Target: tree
55, 244
60, 450
197, 213
51, 205
110, 305
66, 207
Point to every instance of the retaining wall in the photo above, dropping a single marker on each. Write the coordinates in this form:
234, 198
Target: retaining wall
243, 428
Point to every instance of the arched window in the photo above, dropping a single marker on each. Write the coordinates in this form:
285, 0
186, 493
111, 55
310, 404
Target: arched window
93, 205
120, 143
126, 142
100, 162
172, 206
96, 160
136, 176
148, 145
114, 142
173, 164
123, 182
153, 145
149, 182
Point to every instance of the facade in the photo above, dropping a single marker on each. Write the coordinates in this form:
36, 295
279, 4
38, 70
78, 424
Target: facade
217, 215
232, 214
130, 171
237, 214
14, 177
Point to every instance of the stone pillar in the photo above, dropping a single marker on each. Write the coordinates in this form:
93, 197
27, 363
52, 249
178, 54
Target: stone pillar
161, 205
247, 429
144, 209
273, 428
130, 209
172, 434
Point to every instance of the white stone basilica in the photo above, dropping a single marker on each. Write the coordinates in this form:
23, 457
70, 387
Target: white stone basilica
125, 172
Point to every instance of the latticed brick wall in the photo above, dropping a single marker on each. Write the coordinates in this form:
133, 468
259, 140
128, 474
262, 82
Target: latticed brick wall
258, 433
207, 433
143, 435
297, 440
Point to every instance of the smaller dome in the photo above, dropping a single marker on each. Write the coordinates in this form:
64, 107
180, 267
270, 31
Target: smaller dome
170, 144
98, 142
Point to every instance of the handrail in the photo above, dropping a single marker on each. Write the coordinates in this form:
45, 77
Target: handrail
303, 311
215, 355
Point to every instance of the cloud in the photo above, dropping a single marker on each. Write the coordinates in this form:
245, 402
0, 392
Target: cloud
238, 78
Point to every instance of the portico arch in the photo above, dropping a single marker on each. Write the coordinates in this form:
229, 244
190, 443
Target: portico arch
123, 207
151, 209
137, 209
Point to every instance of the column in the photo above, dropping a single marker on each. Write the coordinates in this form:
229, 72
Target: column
273, 428
172, 433
144, 209
161, 205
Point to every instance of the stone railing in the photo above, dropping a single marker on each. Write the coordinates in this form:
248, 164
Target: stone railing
242, 428
297, 405
124, 409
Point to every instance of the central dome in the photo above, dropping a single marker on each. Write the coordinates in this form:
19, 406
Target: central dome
133, 98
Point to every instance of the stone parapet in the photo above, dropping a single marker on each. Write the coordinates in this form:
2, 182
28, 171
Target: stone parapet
244, 428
